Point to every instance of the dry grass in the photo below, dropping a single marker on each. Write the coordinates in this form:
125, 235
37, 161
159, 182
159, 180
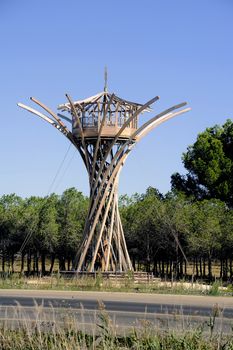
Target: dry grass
67, 334
126, 284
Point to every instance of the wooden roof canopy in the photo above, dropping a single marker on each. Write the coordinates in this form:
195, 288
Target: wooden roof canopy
104, 114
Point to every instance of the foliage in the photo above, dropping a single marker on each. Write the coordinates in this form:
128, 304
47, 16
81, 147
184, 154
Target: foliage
209, 162
41, 227
164, 233
71, 211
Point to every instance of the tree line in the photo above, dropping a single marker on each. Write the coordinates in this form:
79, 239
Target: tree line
36, 229
174, 235
181, 233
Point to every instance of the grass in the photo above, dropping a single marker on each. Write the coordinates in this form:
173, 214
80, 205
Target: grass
73, 340
126, 284
69, 335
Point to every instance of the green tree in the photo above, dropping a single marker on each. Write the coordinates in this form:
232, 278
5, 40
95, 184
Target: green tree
72, 209
29, 230
11, 210
226, 241
47, 235
142, 217
205, 235
175, 225
209, 162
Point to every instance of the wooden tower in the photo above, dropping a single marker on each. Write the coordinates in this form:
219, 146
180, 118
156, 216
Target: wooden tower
105, 129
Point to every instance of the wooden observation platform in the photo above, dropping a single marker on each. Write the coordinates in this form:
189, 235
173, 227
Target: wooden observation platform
90, 112
104, 129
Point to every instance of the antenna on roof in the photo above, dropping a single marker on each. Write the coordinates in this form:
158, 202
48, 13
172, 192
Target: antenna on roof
105, 78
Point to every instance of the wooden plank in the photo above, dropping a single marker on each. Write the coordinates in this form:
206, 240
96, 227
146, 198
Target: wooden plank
39, 114
101, 231
50, 112
110, 235
65, 132
124, 243
157, 122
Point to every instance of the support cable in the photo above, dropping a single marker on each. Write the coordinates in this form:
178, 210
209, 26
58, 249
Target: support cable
65, 170
59, 169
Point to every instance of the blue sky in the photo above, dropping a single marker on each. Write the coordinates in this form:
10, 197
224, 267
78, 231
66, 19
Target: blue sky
180, 50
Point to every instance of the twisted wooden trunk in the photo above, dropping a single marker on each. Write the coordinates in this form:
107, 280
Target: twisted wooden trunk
104, 130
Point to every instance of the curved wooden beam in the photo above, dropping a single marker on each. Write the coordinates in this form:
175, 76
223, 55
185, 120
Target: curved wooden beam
119, 219
110, 235
101, 230
128, 121
157, 122
81, 133
123, 240
65, 132
39, 114
47, 109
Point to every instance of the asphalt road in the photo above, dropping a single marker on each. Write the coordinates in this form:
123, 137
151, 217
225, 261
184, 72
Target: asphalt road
126, 310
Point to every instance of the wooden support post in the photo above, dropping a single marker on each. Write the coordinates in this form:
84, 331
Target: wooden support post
110, 235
